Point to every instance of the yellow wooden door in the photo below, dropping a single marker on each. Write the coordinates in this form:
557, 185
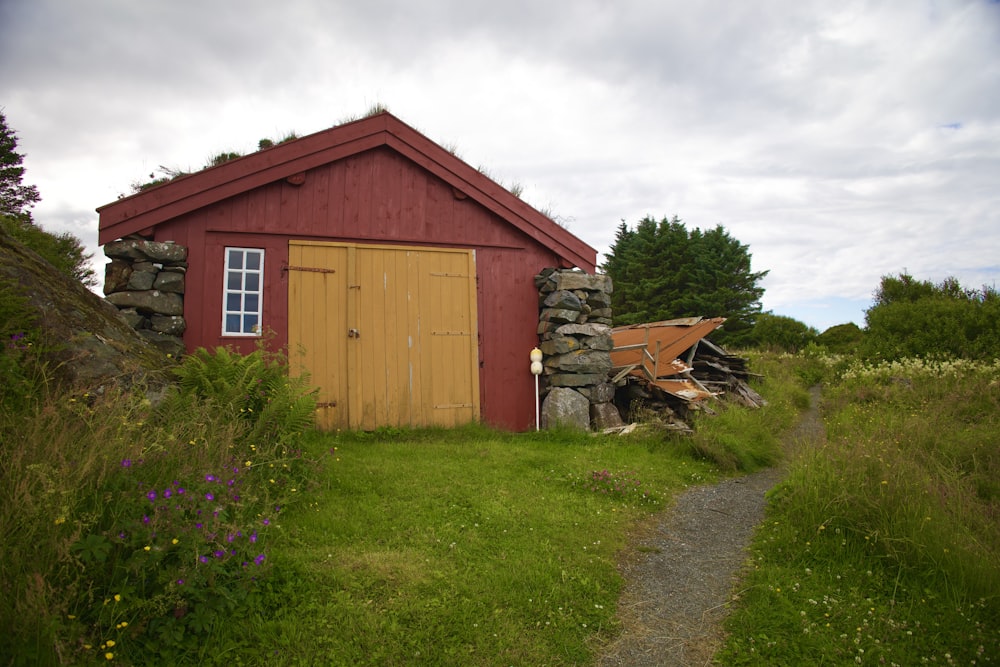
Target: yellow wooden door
390, 336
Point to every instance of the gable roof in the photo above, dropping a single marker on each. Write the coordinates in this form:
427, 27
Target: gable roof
149, 208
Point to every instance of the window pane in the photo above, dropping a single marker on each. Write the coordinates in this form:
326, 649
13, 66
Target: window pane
242, 301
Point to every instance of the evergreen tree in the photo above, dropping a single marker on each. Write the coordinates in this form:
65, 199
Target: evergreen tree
15, 198
662, 271
64, 251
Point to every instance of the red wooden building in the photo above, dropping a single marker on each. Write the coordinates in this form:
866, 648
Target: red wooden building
404, 274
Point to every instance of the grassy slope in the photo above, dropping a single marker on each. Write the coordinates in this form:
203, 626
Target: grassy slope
883, 546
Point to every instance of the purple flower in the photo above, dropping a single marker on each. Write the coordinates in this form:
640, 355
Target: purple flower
203, 559
266, 522
145, 519
180, 490
209, 478
259, 559
230, 537
180, 582
151, 495
126, 463
209, 496
219, 553
167, 493
199, 525
253, 536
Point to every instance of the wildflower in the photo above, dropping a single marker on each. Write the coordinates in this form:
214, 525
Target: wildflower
203, 559
209, 478
174, 541
151, 495
209, 496
118, 598
109, 655
266, 522
253, 537
110, 643
259, 559
146, 548
126, 463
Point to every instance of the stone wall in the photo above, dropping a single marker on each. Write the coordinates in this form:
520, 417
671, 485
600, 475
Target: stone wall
575, 332
145, 281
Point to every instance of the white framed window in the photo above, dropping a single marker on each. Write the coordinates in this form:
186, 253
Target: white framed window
243, 292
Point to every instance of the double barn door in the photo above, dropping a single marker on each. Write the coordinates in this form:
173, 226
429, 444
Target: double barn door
387, 333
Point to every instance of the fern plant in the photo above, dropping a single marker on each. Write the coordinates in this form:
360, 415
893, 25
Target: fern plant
254, 389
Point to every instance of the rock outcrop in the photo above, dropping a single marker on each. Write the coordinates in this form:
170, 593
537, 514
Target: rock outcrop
86, 342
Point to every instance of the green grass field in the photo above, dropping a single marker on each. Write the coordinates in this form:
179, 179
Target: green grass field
212, 530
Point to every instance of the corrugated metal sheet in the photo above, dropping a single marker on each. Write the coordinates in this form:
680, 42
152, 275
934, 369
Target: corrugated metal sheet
653, 351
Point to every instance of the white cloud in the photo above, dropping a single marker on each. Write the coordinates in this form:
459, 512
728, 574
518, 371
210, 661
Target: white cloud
841, 141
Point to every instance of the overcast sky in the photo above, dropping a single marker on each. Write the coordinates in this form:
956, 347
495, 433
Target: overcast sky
842, 141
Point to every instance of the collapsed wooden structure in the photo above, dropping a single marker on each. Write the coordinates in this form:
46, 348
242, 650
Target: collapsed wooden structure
670, 367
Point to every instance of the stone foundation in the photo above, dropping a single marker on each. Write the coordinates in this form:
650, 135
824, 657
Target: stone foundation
575, 332
145, 281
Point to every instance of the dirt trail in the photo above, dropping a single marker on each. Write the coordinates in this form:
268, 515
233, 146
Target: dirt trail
682, 567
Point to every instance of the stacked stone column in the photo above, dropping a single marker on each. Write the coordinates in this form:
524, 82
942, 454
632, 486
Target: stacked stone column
575, 332
145, 281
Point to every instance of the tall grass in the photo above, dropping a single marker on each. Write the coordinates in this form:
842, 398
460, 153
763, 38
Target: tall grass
883, 545
131, 530
739, 439
210, 528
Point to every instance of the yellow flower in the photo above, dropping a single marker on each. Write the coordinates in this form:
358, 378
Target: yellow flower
174, 541
146, 548
110, 643
60, 520
247, 464
70, 616
109, 655
118, 597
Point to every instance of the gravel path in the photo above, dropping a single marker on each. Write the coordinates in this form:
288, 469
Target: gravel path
683, 564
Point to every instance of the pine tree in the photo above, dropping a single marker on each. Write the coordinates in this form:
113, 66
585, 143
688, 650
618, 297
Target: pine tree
15, 198
662, 271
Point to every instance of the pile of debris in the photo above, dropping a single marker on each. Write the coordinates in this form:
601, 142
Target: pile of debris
671, 369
